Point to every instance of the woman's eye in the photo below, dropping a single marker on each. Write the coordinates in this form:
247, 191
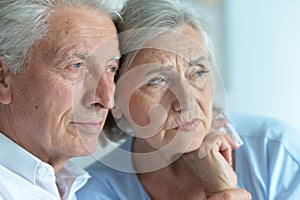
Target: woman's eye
201, 72
156, 82
197, 70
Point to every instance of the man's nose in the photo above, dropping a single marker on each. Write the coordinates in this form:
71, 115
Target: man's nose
104, 94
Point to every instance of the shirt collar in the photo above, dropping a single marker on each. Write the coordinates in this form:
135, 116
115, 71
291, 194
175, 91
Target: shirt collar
70, 179
17, 159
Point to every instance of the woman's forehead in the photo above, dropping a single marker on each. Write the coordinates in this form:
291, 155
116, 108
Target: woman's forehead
168, 56
178, 39
184, 42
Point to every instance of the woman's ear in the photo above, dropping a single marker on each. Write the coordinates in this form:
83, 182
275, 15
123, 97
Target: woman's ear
116, 113
5, 92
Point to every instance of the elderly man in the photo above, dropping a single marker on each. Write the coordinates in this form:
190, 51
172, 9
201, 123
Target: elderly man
57, 64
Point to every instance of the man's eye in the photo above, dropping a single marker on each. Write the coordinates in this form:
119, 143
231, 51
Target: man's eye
77, 65
112, 68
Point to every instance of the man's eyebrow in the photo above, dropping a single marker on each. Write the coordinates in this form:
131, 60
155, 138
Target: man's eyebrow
159, 70
78, 55
114, 58
85, 56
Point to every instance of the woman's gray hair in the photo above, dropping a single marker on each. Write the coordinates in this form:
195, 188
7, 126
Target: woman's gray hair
24, 22
144, 20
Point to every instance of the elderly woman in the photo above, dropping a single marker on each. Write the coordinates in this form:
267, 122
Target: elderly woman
165, 92
164, 99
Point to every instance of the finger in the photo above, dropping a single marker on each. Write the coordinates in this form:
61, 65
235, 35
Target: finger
224, 147
218, 142
232, 194
208, 144
219, 123
232, 143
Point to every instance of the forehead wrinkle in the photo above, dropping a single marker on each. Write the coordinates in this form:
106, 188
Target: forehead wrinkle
184, 50
88, 32
167, 60
160, 69
64, 52
76, 31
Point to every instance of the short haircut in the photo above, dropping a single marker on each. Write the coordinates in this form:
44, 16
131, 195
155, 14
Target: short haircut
24, 22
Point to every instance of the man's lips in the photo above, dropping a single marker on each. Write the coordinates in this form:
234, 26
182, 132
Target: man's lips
189, 126
88, 127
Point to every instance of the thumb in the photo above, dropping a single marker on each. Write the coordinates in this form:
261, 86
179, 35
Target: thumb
208, 144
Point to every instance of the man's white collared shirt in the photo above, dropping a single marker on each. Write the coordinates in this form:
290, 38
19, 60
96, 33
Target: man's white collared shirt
25, 177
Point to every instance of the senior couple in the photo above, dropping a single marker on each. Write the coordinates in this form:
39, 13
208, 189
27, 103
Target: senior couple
58, 61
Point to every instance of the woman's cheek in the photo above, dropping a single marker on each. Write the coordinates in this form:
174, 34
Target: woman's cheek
139, 110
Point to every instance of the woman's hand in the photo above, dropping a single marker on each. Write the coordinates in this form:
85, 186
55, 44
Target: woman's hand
212, 163
231, 194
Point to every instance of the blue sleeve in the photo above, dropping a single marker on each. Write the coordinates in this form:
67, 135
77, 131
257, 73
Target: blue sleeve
268, 164
107, 183
96, 190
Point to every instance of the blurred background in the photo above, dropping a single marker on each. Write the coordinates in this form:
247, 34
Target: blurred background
257, 47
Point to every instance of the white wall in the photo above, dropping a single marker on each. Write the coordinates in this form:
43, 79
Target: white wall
263, 54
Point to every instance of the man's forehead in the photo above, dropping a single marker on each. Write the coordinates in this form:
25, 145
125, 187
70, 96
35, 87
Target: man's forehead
80, 34
81, 19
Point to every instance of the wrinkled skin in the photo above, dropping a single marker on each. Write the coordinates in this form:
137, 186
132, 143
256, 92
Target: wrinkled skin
56, 108
166, 96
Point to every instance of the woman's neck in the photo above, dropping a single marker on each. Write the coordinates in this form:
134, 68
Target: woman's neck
146, 158
172, 181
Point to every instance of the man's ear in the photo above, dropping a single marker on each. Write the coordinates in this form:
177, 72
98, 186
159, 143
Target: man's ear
5, 90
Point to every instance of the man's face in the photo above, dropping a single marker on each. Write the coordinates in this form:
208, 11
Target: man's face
59, 104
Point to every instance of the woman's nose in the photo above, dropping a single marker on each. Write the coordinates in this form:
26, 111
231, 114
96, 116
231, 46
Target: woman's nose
184, 97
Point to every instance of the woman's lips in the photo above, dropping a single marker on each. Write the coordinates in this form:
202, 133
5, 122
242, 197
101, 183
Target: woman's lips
189, 126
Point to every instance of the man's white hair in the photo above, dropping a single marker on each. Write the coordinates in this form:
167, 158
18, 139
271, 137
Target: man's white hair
24, 22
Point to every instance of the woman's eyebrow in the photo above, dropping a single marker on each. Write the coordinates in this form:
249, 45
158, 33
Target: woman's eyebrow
198, 60
159, 70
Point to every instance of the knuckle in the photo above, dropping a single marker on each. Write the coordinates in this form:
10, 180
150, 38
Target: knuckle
226, 195
247, 194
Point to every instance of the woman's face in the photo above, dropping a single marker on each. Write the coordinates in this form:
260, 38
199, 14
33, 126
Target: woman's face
167, 93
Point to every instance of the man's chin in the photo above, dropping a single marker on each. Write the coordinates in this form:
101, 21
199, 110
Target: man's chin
88, 146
